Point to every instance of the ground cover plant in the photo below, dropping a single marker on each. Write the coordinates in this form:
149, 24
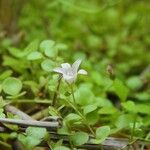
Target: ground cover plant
74, 75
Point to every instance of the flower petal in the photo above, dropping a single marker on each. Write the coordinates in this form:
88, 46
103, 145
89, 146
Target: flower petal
82, 71
66, 65
59, 70
69, 79
76, 65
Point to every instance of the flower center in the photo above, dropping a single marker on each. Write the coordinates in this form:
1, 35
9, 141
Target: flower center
70, 73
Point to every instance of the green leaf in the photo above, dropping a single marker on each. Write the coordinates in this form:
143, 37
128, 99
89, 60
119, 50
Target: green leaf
47, 65
71, 118
48, 48
102, 133
136, 108
143, 96
13, 135
107, 110
120, 89
33, 85
129, 106
34, 136
79, 138
16, 52
134, 83
92, 117
61, 148
15, 63
22, 139
34, 55
12, 86
89, 108
84, 96
59, 143
123, 121
22, 53
33, 46
63, 130
36, 132
32, 142
46, 44
51, 52
61, 47
103, 102
97, 78
2, 115
143, 108
2, 102
28, 141
5, 74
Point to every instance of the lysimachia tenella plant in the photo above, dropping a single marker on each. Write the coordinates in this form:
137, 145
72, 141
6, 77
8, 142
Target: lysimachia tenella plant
70, 72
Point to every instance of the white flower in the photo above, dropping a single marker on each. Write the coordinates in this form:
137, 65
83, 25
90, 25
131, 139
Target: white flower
70, 72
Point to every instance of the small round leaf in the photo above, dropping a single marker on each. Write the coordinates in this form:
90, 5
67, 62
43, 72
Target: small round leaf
47, 65
36, 132
46, 44
12, 86
102, 133
48, 47
79, 138
34, 55
89, 108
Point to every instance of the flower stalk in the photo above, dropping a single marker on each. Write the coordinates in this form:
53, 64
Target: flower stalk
73, 105
69, 74
56, 92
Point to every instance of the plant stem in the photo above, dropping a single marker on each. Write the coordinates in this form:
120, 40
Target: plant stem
56, 92
29, 101
73, 105
72, 92
132, 132
133, 129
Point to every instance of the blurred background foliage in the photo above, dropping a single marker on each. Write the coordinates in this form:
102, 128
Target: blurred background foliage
101, 32
111, 31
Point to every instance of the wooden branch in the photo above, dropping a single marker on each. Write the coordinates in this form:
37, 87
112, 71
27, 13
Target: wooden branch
38, 101
24, 116
44, 124
110, 143
16, 111
2, 129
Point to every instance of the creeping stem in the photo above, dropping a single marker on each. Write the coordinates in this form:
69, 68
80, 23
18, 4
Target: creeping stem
72, 92
73, 105
56, 92
132, 131
133, 128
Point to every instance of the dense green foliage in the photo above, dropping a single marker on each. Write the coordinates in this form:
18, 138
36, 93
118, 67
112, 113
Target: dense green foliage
109, 101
